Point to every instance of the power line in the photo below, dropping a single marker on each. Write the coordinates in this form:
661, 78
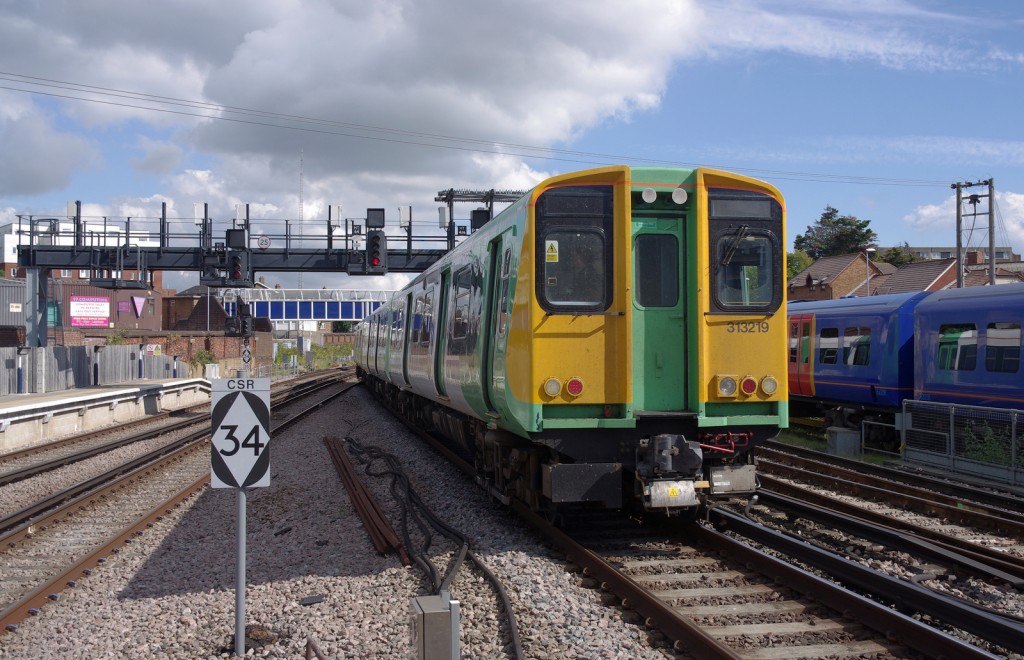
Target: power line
213, 111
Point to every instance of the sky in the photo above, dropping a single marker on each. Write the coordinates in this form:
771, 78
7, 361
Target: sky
874, 108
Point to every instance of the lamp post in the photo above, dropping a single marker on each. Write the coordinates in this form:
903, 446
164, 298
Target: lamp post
867, 270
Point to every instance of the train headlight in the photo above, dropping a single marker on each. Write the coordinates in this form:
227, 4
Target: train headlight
748, 385
769, 385
679, 196
574, 387
726, 386
649, 195
552, 386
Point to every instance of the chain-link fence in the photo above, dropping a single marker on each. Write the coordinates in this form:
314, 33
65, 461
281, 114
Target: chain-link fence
973, 440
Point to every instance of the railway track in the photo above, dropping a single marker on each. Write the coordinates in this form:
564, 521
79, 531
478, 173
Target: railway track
716, 596
987, 511
43, 553
31, 461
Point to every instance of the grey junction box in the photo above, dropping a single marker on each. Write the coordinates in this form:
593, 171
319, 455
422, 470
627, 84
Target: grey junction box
435, 627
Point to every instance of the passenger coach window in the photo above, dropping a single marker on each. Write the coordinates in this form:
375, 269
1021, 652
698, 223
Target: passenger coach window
397, 325
958, 347
506, 264
417, 321
463, 291
574, 249
656, 270
426, 329
1002, 348
828, 345
857, 346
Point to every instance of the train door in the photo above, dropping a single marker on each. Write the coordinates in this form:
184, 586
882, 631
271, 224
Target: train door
659, 320
496, 321
441, 333
801, 341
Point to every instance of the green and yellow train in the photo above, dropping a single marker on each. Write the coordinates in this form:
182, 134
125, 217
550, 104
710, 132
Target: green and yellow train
615, 335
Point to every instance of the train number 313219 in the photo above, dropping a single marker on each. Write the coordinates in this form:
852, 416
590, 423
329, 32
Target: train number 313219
747, 326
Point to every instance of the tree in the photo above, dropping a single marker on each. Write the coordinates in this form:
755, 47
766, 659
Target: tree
899, 255
796, 262
835, 234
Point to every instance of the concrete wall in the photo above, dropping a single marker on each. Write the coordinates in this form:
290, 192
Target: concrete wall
36, 421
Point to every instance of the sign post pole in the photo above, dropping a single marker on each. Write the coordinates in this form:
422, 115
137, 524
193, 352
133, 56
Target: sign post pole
240, 578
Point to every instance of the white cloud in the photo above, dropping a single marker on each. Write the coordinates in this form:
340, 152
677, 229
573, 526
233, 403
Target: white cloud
896, 35
38, 158
159, 157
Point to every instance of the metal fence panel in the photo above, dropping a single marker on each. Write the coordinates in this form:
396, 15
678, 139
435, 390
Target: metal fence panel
973, 440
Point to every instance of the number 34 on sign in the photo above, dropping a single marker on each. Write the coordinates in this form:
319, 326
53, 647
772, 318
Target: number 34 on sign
240, 444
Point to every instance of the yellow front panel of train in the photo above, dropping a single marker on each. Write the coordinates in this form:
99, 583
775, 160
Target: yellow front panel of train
740, 265
574, 356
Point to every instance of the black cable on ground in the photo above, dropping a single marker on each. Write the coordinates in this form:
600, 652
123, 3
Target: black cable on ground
411, 506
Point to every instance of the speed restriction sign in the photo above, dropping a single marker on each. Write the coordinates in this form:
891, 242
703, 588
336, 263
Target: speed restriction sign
240, 446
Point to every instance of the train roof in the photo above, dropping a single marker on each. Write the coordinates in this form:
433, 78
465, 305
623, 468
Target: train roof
1010, 296
859, 305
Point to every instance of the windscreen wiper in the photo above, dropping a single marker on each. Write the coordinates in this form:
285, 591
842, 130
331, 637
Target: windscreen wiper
731, 250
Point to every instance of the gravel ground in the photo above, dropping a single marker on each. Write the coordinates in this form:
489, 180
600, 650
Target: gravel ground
171, 594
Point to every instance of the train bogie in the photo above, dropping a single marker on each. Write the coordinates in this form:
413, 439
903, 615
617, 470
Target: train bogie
614, 331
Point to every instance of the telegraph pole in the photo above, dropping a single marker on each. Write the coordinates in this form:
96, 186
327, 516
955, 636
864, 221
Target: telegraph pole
973, 199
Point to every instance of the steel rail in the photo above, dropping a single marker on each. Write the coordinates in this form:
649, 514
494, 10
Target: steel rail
49, 589
377, 526
1009, 499
850, 482
905, 595
780, 492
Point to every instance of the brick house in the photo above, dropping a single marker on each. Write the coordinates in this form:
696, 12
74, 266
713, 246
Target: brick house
842, 275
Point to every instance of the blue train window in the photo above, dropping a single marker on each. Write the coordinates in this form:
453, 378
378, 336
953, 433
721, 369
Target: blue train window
857, 346
1002, 348
958, 347
828, 345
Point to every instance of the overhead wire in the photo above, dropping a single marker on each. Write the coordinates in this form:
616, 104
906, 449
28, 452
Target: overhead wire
218, 112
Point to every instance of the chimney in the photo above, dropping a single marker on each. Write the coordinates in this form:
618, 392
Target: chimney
975, 257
